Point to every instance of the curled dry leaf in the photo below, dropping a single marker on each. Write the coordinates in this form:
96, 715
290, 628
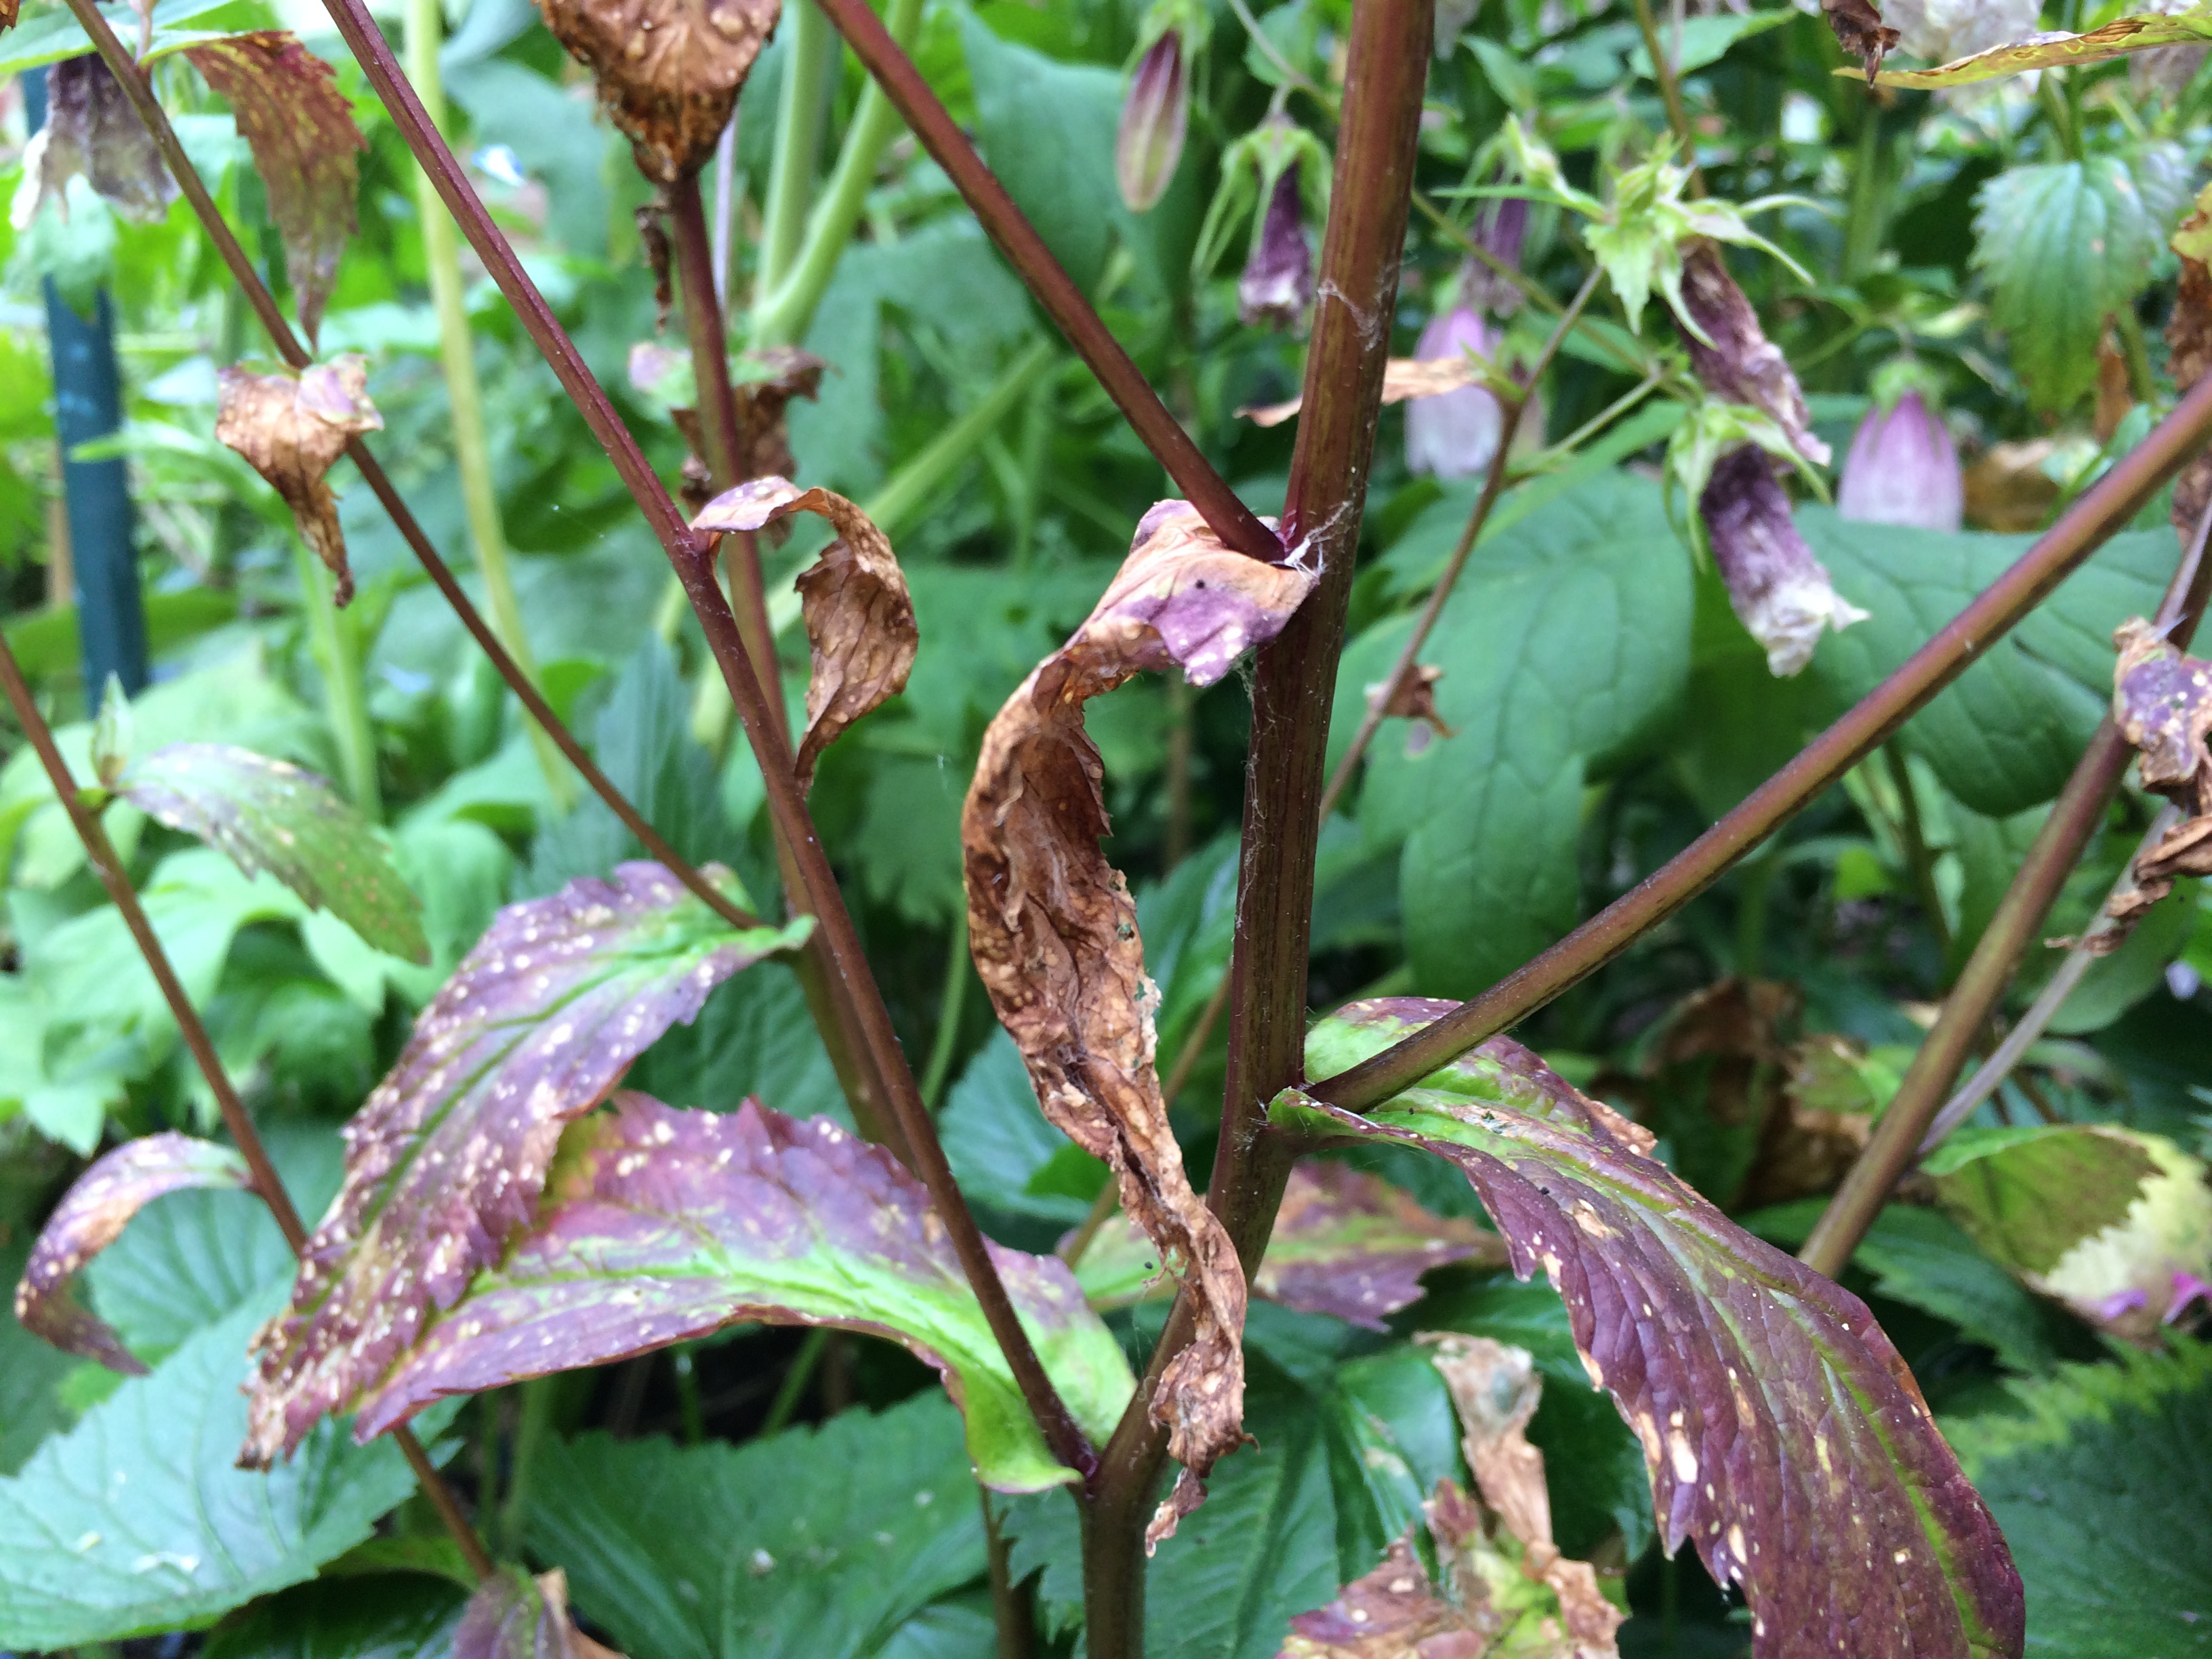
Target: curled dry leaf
1412, 698
1402, 378
2053, 50
2162, 703
767, 382
1734, 359
91, 130
91, 1216
1392, 1612
1344, 1243
1861, 33
446, 1160
292, 432
2189, 337
661, 1225
669, 71
512, 1615
305, 144
1784, 1436
1779, 591
860, 618
1054, 930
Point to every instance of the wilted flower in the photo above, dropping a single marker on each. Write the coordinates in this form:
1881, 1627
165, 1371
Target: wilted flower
1902, 468
1155, 116
1454, 436
91, 129
1781, 592
1278, 284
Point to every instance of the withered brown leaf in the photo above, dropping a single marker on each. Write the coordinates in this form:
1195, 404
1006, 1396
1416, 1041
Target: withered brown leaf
1392, 1612
305, 144
770, 379
1403, 377
2162, 703
1412, 698
514, 1616
292, 431
2189, 334
1861, 32
860, 618
91, 129
1735, 360
1054, 932
669, 71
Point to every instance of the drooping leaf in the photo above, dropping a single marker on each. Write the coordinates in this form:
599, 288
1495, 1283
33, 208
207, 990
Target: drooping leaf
1054, 932
137, 1520
446, 1160
661, 1225
2122, 35
270, 815
812, 1544
2101, 1477
1783, 1435
293, 430
91, 1215
30, 1375
92, 132
860, 618
305, 141
668, 74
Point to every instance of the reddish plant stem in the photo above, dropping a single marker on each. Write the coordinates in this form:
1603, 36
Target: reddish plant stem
2076, 817
267, 1184
1377, 142
693, 568
1493, 485
1053, 287
2095, 515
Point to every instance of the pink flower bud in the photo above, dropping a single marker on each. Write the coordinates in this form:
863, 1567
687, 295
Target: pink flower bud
1453, 435
1155, 116
1902, 468
1778, 590
1278, 284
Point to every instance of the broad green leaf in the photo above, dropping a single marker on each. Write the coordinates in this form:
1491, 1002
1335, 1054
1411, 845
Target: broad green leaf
1004, 1153
269, 815
2005, 735
1564, 648
2122, 35
2101, 1477
30, 1372
54, 35
2029, 1195
1784, 1437
662, 1225
755, 1037
2063, 245
1704, 40
1048, 130
446, 1160
814, 1544
137, 1519
396, 1615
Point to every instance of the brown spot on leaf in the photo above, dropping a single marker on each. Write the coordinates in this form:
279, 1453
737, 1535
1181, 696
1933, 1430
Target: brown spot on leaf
292, 432
860, 618
669, 71
1054, 930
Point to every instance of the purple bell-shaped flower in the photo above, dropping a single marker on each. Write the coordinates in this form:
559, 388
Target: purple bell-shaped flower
1902, 468
1278, 284
1453, 435
1155, 117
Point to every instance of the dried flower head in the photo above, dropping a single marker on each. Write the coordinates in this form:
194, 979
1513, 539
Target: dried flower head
1779, 591
669, 71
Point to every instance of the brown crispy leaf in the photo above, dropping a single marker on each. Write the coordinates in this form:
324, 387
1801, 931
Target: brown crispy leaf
91, 129
1054, 930
1412, 698
2189, 335
1393, 1612
306, 147
860, 618
1734, 359
1402, 378
92, 1216
292, 431
669, 71
1861, 33
769, 379
2162, 703
2051, 49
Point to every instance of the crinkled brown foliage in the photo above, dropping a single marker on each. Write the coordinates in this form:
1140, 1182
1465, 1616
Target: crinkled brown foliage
1403, 377
2188, 333
1735, 360
2162, 703
292, 431
1412, 698
91, 129
860, 616
773, 377
1054, 930
305, 144
1861, 32
1392, 1612
669, 71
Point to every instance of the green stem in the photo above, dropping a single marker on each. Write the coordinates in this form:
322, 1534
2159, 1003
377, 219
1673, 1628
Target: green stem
795, 1379
908, 489
788, 297
1862, 228
532, 1426
947, 1042
798, 142
330, 636
472, 443
1920, 857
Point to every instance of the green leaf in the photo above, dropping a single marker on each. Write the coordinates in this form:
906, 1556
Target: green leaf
1705, 40
815, 1544
1004, 1153
48, 39
1564, 649
2006, 734
2029, 1195
2063, 245
269, 815
137, 1519
30, 1376
2138, 33
400, 1615
2101, 1478
1048, 130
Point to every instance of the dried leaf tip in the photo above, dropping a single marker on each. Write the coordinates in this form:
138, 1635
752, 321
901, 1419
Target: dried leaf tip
669, 71
859, 615
2162, 703
292, 432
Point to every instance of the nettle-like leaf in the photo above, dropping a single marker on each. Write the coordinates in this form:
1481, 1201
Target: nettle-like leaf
661, 1225
1344, 1243
1054, 930
2142, 32
298, 124
91, 131
292, 431
859, 615
271, 815
446, 1160
91, 1216
668, 72
1784, 1436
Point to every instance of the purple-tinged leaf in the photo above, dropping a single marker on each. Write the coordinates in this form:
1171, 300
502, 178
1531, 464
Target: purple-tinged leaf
91, 129
1344, 1243
1785, 1437
91, 1216
446, 1160
299, 126
270, 815
1392, 1612
512, 1615
661, 1225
